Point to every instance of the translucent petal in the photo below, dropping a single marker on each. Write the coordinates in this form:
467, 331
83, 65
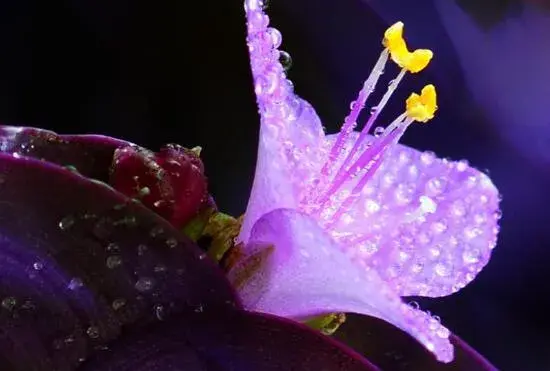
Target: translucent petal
427, 225
307, 275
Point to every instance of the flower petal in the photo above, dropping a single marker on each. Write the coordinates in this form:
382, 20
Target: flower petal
427, 225
290, 131
391, 349
306, 275
234, 340
90, 155
78, 261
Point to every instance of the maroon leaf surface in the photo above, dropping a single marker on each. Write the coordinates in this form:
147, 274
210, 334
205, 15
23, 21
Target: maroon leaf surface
79, 261
233, 341
392, 349
90, 155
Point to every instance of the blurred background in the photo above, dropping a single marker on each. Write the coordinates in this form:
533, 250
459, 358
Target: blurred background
176, 71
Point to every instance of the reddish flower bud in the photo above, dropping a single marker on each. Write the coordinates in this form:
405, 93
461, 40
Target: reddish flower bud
170, 182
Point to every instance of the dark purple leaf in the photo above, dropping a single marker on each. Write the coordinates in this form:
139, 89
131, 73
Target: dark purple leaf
90, 155
173, 178
392, 349
233, 341
79, 261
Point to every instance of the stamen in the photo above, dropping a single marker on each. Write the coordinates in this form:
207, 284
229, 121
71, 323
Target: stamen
364, 159
356, 107
371, 160
372, 119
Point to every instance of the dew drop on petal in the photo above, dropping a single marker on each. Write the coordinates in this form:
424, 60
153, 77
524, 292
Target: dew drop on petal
285, 59
379, 130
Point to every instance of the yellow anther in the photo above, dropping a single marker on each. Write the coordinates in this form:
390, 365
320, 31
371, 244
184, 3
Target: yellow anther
422, 107
395, 43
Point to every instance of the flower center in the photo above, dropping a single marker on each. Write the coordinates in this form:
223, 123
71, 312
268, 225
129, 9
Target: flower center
354, 158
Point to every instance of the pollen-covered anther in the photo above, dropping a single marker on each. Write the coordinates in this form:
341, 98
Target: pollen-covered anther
422, 107
394, 42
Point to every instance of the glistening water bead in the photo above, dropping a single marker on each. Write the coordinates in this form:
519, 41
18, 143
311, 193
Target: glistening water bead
66, 223
144, 284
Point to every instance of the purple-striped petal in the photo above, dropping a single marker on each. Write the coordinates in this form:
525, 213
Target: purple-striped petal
78, 262
233, 341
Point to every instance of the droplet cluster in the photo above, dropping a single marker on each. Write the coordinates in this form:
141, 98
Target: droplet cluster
427, 225
79, 261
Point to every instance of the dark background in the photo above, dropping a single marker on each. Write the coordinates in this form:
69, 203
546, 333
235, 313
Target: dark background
176, 71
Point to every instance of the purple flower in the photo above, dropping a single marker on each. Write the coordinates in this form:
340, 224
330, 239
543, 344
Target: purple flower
91, 279
353, 222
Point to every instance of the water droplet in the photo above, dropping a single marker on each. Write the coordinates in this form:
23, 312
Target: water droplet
103, 228
93, 332
160, 269
417, 268
371, 206
171, 243
285, 59
28, 305
160, 312
118, 303
113, 261
142, 249
442, 269
72, 169
462, 165
119, 207
427, 158
9, 303
439, 227
374, 110
156, 231
145, 191
414, 305
379, 130
75, 284
144, 284
458, 208
66, 223
276, 37
471, 256
58, 344
38, 266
